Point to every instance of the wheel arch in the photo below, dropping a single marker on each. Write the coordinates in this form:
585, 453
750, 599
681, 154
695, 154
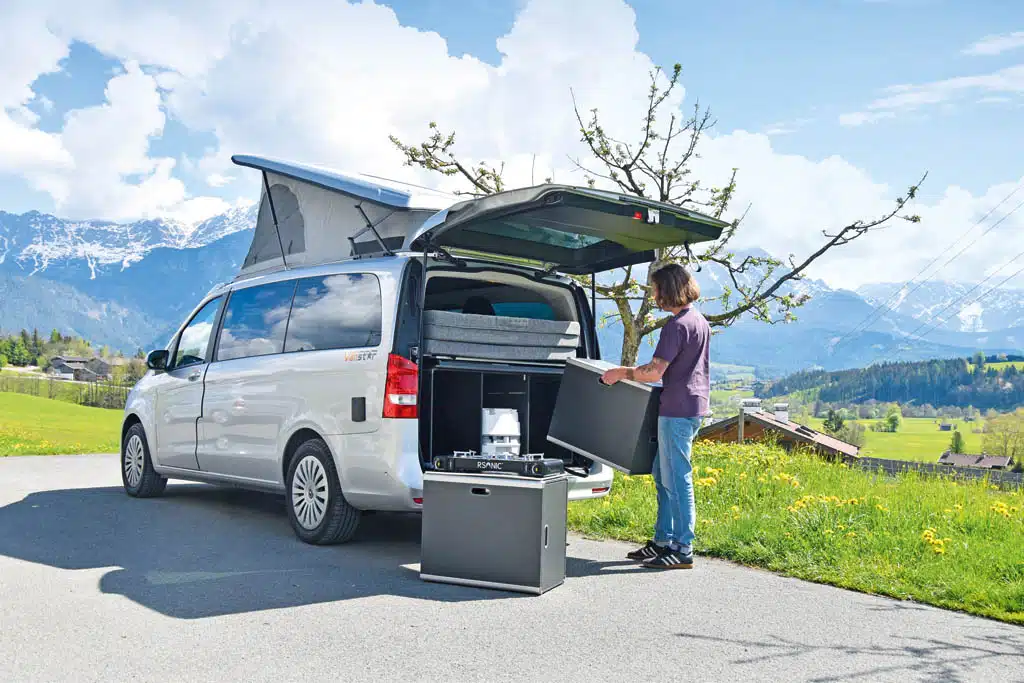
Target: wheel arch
298, 437
130, 421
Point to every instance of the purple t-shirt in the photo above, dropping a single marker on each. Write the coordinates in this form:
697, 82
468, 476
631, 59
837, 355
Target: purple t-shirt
684, 346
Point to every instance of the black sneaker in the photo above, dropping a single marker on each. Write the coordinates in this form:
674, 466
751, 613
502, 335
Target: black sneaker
649, 551
670, 559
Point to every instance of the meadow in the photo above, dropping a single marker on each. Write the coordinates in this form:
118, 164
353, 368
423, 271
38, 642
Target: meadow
918, 439
31, 425
950, 544
1000, 366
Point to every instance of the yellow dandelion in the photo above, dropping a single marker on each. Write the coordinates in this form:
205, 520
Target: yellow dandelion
735, 508
851, 534
828, 532
881, 508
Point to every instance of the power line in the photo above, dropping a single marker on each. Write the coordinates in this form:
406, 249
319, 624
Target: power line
977, 299
878, 310
934, 321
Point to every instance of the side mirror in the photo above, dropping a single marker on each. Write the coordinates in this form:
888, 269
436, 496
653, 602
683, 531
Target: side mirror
157, 360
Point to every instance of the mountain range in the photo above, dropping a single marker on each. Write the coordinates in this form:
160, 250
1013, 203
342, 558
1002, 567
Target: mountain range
128, 285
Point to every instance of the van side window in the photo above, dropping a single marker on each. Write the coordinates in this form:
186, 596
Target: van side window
195, 338
335, 312
255, 321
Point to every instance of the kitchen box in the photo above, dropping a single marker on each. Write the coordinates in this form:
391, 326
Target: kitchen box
616, 425
494, 530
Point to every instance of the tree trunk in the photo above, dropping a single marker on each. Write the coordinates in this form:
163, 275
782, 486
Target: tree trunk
630, 350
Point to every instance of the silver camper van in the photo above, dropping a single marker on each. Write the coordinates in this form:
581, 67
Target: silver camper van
369, 326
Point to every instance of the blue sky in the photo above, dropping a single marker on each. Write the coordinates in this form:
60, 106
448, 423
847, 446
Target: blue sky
796, 75
799, 64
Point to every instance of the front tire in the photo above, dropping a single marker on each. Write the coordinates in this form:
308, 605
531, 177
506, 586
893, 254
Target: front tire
317, 508
137, 474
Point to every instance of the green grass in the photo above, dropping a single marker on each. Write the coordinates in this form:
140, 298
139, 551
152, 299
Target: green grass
30, 425
918, 439
39, 385
1000, 366
948, 544
729, 395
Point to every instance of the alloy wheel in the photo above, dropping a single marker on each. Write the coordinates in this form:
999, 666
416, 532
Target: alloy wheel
309, 492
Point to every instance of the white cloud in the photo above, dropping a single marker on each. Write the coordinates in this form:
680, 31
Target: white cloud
218, 180
27, 49
327, 82
113, 175
910, 97
996, 44
786, 127
859, 118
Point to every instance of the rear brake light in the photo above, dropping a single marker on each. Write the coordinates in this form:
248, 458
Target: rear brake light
418, 501
604, 489
401, 388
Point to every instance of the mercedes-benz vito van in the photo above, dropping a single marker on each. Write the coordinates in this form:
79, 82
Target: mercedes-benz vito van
369, 326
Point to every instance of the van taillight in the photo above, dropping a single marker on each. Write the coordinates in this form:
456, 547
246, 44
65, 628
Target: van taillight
401, 388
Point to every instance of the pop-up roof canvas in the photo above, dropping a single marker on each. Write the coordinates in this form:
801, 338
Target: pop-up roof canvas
322, 215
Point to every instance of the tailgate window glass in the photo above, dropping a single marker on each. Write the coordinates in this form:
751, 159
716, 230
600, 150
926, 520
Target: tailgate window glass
534, 232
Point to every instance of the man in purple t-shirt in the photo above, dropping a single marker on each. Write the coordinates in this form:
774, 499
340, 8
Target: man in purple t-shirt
681, 363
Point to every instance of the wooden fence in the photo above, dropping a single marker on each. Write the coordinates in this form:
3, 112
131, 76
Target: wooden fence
999, 477
107, 394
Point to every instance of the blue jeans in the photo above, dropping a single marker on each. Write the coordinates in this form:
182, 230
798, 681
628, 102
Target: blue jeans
673, 480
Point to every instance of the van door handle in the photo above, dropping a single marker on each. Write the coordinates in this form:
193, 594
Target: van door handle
194, 376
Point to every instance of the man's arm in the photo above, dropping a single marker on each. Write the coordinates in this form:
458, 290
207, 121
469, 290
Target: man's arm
649, 372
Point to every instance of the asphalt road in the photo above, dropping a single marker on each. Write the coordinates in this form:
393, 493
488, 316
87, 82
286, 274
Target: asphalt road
209, 584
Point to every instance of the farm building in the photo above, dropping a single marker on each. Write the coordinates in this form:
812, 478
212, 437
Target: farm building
759, 424
80, 369
988, 462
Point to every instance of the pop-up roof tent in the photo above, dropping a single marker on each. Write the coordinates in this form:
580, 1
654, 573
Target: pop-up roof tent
309, 216
322, 216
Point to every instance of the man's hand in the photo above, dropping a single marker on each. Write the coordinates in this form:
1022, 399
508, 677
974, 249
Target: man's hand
651, 372
613, 376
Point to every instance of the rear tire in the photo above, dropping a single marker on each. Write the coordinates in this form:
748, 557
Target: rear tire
137, 474
317, 508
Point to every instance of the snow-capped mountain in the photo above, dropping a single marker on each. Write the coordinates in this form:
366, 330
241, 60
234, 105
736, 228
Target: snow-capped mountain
956, 307
33, 243
129, 285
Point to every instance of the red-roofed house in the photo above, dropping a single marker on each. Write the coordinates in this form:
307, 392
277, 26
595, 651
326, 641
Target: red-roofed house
757, 424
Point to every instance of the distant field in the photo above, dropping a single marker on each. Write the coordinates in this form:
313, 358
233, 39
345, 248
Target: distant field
918, 439
30, 425
1019, 364
733, 373
725, 395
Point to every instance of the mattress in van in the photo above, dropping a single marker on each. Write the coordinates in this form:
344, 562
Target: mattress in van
498, 338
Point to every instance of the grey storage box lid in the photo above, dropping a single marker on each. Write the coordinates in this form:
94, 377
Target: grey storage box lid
615, 425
